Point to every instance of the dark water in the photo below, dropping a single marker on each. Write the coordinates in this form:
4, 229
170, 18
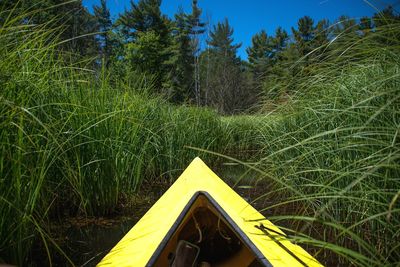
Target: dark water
87, 243
84, 245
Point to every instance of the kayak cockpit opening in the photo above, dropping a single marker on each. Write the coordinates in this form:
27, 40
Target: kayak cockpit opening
205, 238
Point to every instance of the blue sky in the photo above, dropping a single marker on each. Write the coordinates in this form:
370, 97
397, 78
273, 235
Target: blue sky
247, 17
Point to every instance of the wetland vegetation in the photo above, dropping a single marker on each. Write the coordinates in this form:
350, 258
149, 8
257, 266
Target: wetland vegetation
314, 117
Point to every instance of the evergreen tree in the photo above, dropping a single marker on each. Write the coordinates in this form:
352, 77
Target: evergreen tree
385, 21
266, 58
226, 90
188, 28
104, 25
195, 24
183, 58
196, 28
144, 53
386, 17
221, 42
279, 42
345, 26
281, 38
259, 53
365, 25
304, 35
322, 33
74, 23
320, 43
259, 57
142, 17
148, 41
265, 50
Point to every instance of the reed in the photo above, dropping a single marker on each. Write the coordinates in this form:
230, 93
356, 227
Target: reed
333, 154
73, 142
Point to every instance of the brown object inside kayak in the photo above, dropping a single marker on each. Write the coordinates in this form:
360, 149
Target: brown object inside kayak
204, 237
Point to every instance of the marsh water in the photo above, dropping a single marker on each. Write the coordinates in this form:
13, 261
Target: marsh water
87, 245
87, 240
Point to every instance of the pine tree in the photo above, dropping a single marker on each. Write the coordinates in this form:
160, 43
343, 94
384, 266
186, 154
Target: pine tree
226, 90
386, 17
265, 56
149, 41
259, 57
281, 38
345, 26
188, 27
196, 28
142, 17
70, 18
278, 43
221, 41
304, 35
320, 43
322, 33
365, 25
104, 25
183, 71
259, 53
384, 20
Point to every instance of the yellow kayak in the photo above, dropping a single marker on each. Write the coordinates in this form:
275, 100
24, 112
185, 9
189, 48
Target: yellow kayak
201, 221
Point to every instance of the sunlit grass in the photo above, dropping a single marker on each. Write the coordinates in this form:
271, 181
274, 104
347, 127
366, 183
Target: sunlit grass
333, 154
72, 144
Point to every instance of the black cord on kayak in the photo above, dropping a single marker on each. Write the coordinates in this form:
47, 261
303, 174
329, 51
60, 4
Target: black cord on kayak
267, 231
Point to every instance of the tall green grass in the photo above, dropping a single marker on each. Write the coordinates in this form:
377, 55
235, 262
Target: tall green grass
333, 154
73, 144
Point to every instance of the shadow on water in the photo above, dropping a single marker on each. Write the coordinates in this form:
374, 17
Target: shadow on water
87, 240
87, 245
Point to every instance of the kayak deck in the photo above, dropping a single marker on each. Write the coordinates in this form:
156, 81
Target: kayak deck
201, 219
204, 224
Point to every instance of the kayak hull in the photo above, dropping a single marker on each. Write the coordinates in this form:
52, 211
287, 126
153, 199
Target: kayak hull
198, 207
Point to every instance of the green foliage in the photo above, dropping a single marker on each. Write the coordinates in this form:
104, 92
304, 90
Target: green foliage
148, 41
386, 17
187, 29
304, 35
104, 25
265, 58
184, 59
145, 52
144, 16
72, 144
74, 141
315, 46
76, 26
224, 81
259, 53
345, 25
221, 41
333, 154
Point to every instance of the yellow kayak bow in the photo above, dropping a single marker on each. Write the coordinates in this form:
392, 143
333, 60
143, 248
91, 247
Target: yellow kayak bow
201, 221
